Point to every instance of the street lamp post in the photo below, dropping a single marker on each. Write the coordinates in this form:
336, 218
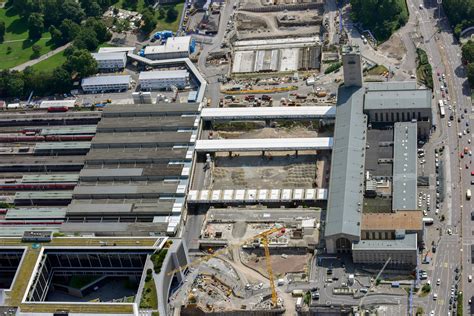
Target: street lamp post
439, 2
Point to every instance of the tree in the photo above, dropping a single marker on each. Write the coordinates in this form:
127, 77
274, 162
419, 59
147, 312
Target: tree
69, 51
86, 39
130, 4
94, 9
2, 31
53, 12
382, 17
149, 22
99, 27
35, 25
91, 8
82, 63
36, 50
150, 3
468, 52
61, 79
470, 74
20, 5
161, 13
460, 13
69, 29
171, 15
36, 81
56, 35
426, 288
71, 10
14, 85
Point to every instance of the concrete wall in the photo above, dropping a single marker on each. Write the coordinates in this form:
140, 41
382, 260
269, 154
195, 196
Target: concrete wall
176, 257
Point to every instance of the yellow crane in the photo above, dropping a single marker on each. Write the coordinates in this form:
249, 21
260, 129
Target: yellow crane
264, 240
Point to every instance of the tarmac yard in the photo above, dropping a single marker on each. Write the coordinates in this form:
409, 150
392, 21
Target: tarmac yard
283, 261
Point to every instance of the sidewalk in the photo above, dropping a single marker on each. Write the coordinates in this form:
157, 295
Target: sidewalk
41, 58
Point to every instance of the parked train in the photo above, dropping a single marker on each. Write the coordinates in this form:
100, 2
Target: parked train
48, 138
37, 186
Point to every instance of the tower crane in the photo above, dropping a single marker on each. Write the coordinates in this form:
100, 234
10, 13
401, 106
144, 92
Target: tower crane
263, 236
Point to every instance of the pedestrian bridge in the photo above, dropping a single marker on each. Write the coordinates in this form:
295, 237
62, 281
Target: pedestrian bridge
269, 113
264, 144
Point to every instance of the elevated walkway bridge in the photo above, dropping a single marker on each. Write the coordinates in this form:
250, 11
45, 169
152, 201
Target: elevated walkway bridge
269, 113
264, 144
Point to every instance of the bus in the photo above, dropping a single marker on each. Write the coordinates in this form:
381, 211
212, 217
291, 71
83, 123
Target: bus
442, 113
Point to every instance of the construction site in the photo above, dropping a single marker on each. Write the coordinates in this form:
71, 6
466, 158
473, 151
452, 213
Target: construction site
278, 55
276, 170
265, 169
266, 250
281, 18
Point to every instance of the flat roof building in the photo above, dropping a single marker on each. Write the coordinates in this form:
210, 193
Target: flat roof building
347, 171
137, 171
110, 61
99, 84
165, 79
116, 49
404, 183
397, 112
402, 251
175, 47
57, 103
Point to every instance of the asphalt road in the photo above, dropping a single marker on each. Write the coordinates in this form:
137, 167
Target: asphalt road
444, 54
213, 73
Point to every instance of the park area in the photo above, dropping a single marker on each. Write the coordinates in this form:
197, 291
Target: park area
16, 48
163, 19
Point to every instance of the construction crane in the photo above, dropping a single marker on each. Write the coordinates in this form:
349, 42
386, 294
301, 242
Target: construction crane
264, 240
375, 281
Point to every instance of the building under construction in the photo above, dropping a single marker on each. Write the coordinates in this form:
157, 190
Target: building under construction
277, 55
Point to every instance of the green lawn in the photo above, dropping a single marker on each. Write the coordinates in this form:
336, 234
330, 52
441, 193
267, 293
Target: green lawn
377, 70
21, 52
16, 37
173, 26
149, 297
51, 63
162, 23
16, 27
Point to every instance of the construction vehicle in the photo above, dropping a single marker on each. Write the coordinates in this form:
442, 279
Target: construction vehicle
263, 237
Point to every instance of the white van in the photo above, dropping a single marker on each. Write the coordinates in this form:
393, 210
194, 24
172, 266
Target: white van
299, 303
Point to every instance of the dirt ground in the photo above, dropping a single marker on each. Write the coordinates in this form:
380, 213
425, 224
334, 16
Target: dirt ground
279, 172
251, 24
280, 265
393, 48
268, 132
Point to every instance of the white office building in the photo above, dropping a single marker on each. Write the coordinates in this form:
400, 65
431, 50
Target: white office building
175, 47
160, 80
118, 49
110, 61
101, 84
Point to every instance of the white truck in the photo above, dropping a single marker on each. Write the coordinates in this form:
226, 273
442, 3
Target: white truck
299, 303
